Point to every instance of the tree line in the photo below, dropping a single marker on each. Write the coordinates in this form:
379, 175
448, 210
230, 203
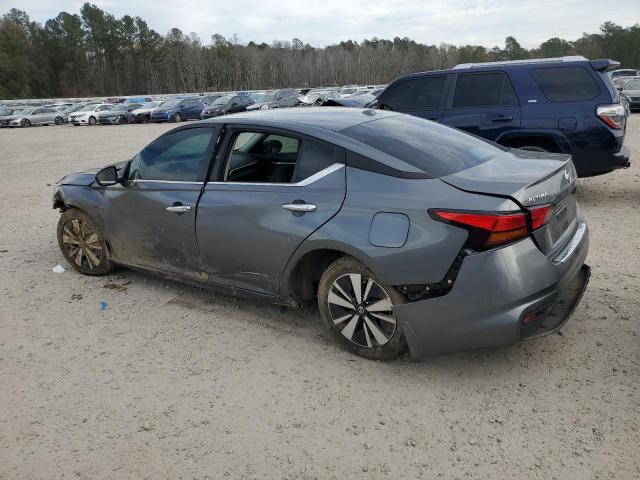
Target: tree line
96, 54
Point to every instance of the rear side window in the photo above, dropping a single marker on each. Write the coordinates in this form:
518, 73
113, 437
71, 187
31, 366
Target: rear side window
424, 93
566, 84
435, 149
316, 156
484, 90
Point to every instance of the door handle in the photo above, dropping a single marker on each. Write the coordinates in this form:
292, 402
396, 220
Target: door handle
300, 207
502, 118
179, 209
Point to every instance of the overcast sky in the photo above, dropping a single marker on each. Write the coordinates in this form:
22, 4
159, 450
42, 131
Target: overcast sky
323, 22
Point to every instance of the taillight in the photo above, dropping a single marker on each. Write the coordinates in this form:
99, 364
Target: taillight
614, 116
492, 229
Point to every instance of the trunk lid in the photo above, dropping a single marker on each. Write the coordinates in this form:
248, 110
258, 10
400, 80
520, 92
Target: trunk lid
529, 179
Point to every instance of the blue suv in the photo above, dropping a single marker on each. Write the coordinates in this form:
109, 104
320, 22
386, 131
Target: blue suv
563, 105
177, 109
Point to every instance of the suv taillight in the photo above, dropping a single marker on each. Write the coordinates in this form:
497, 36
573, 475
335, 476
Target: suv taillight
492, 229
613, 115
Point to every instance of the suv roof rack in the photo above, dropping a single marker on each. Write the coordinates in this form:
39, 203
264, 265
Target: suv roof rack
575, 58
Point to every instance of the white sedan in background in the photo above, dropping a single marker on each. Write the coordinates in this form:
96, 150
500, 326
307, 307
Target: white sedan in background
89, 114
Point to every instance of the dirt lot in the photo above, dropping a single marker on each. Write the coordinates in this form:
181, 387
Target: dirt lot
173, 382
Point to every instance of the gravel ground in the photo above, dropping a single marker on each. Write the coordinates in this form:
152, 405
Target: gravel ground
177, 383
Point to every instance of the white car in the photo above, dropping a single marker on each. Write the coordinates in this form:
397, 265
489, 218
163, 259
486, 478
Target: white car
89, 114
143, 114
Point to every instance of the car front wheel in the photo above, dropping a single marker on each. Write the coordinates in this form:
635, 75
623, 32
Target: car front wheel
25, 123
358, 309
82, 243
177, 118
92, 120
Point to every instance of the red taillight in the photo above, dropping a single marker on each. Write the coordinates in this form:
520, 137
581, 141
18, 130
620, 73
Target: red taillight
492, 229
540, 215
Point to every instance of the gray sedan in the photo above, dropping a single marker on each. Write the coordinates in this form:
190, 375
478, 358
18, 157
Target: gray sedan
631, 93
405, 232
34, 116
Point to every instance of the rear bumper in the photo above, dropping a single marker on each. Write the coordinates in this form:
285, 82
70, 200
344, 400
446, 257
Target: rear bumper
492, 295
605, 163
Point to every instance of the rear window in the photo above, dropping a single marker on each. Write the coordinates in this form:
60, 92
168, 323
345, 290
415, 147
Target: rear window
566, 84
484, 90
435, 149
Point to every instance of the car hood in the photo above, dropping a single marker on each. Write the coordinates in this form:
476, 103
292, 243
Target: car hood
530, 178
87, 177
13, 117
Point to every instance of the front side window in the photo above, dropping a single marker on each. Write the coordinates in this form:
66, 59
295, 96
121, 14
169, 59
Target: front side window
414, 95
483, 90
565, 84
177, 156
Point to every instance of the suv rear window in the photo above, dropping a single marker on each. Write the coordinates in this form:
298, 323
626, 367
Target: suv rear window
414, 95
565, 84
433, 148
484, 90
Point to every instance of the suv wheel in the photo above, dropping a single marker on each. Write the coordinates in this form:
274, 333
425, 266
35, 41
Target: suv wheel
82, 243
533, 148
358, 309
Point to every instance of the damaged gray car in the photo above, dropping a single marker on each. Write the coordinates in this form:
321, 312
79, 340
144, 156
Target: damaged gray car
407, 233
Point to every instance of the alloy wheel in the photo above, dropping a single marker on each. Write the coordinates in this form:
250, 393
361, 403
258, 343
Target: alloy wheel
58, 121
361, 310
25, 123
82, 243
177, 118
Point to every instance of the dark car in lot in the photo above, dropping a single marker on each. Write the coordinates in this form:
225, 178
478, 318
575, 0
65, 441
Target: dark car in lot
563, 105
177, 109
120, 114
405, 232
226, 104
286, 97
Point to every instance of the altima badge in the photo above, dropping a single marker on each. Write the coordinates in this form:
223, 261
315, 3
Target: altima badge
533, 198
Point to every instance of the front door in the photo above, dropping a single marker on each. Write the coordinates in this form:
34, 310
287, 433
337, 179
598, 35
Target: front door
484, 104
150, 217
272, 190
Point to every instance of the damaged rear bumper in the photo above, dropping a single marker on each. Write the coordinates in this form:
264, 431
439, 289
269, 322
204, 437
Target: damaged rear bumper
499, 297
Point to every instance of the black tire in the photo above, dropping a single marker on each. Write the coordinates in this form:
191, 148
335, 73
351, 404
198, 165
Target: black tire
91, 255
92, 120
533, 148
177, 118
25, 123
59, 121
122, 120
363, 339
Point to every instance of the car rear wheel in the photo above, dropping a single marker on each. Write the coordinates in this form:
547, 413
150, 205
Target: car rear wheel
358, 309
59, 121
25, 123
92, 120
82, 244
122, 120
177, 118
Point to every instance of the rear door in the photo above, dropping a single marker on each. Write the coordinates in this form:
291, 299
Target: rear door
483, 103
422, 96
272, 189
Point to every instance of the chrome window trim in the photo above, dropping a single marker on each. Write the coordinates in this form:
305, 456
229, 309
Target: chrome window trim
573, 244
302, 183
139, 180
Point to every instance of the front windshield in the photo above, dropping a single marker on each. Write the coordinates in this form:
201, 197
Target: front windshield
266, 97
632, 85
88, 108
171, 103
150, 105
222, 100
26, 111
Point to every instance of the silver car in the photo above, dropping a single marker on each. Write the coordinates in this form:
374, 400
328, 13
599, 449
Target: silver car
631, 93
34, 116
406, 233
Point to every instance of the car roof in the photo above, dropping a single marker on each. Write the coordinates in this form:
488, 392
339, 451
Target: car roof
326, 118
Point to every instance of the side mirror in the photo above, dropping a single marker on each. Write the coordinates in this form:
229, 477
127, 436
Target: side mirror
107, 176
